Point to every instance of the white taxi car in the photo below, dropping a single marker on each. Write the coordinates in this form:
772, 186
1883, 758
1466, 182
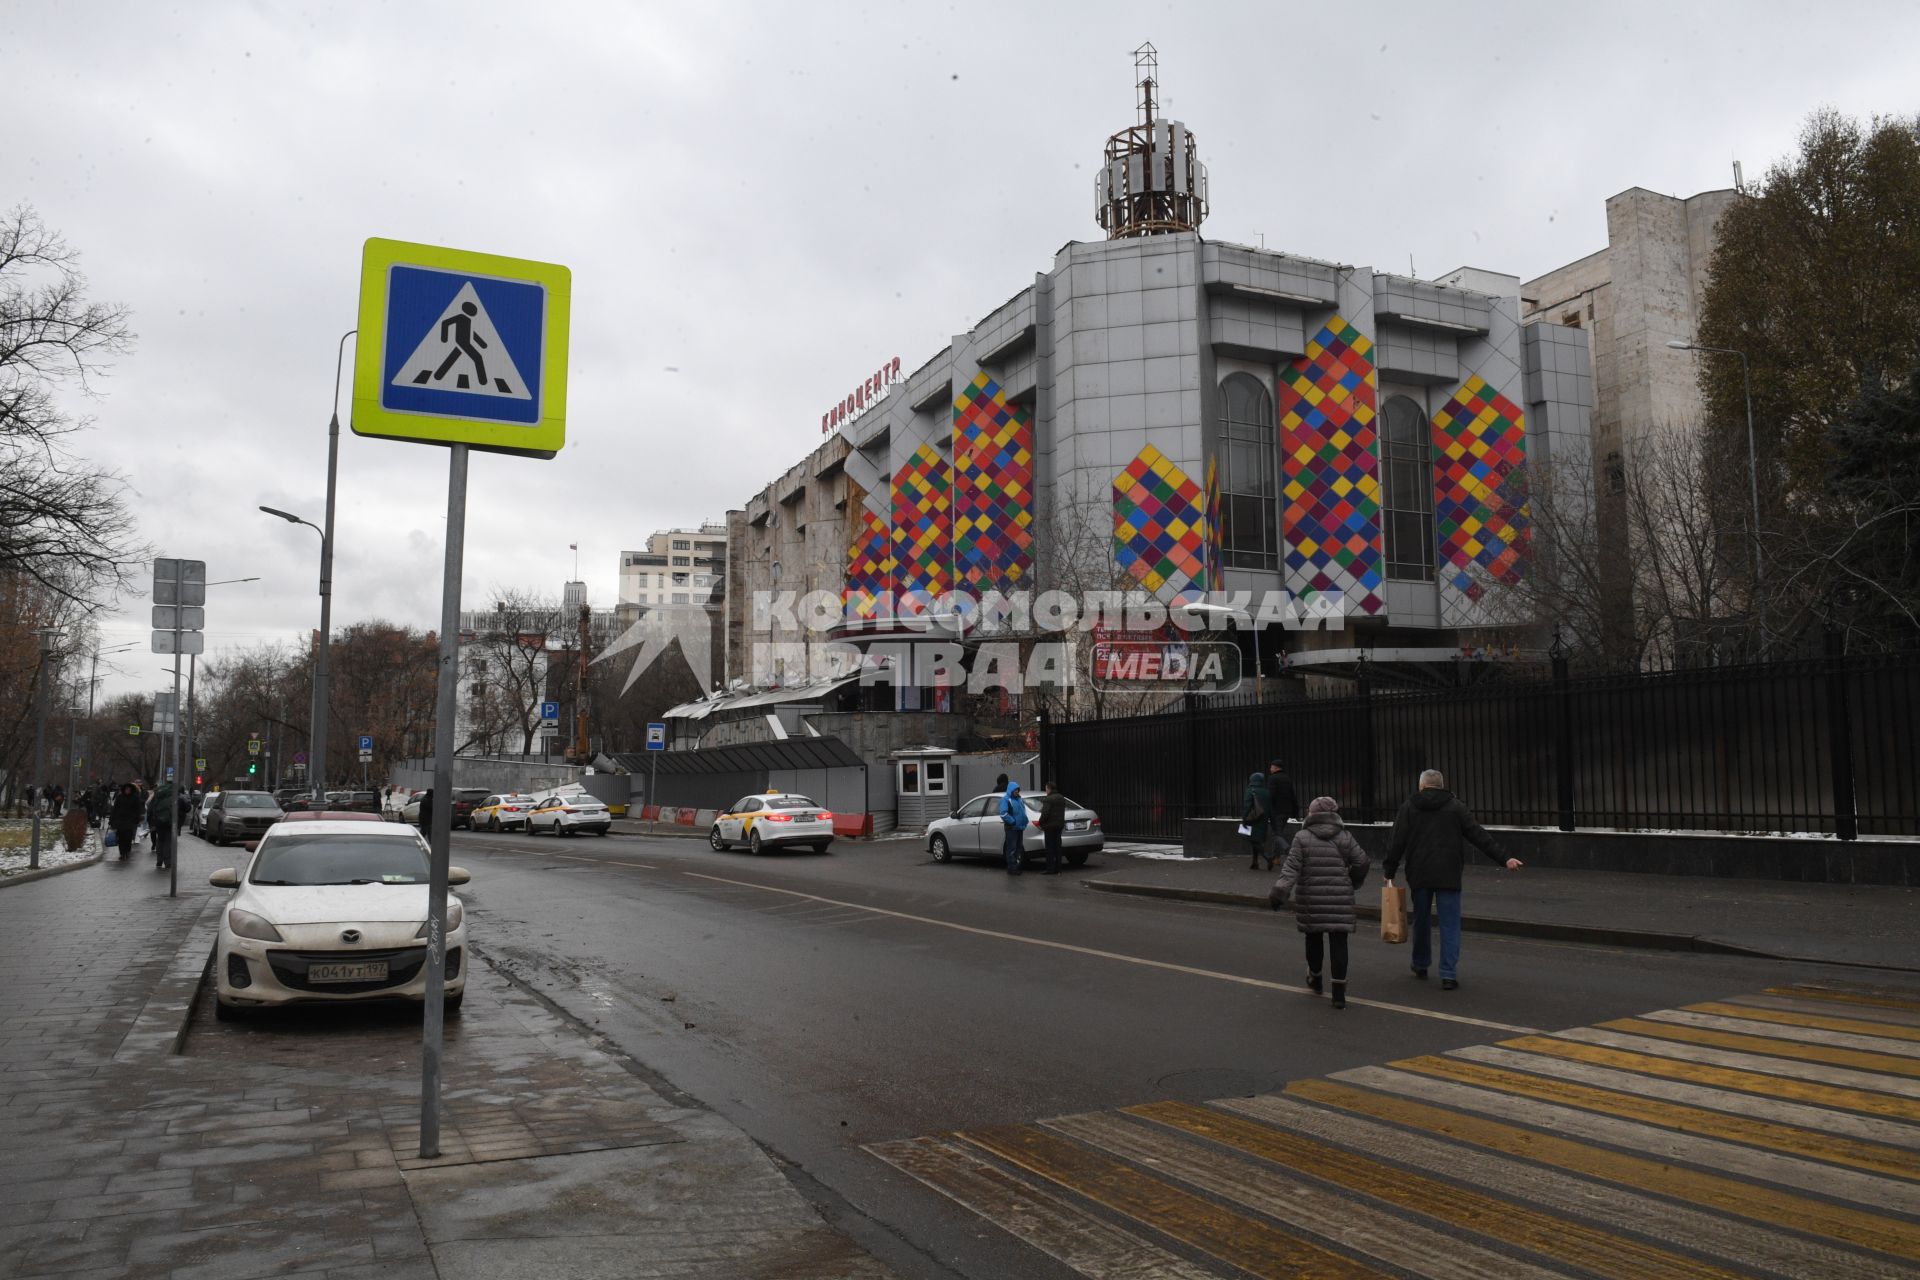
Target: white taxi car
333, 911
773, 820
568, 815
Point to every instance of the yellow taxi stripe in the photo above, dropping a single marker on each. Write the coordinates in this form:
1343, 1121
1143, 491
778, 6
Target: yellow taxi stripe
1755, 1201
1447, 1201
1824, 1095
1805, 1143
1885, 1064
1233, 1238
1846, 997
1816, 1021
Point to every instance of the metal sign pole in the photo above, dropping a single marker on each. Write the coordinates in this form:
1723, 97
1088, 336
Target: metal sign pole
653, 783
173, 796
433, 1021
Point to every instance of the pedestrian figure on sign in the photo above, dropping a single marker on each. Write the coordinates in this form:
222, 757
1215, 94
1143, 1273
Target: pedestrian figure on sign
1431, 836
1013, 825
1283, 808
1255, 814
1323, 866
465, 342
1053, 820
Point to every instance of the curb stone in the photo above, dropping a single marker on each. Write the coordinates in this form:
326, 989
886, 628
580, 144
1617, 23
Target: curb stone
24, 877
160, 1028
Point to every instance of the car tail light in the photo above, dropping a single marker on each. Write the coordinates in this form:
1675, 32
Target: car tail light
778, 817
824, 816
1094, 821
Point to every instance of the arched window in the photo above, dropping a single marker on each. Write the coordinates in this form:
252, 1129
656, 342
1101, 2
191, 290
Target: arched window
1408, 456
1247, 449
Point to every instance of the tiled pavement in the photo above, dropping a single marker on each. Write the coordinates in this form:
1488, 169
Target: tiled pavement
1768, 1135
287, 1146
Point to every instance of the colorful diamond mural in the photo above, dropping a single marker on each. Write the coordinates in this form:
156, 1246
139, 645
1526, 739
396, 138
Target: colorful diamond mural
1479, 498
869, 567
992, 489
1216, 556
1331, 470
1159, 526
922, 533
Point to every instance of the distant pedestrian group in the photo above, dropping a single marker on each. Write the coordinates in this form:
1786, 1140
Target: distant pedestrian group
1324, 866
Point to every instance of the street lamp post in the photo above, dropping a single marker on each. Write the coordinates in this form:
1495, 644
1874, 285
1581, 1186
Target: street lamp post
1753, 463
47, 637
317, 739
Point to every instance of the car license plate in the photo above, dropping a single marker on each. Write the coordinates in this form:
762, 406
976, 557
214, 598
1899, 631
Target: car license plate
365, 971
1076, 826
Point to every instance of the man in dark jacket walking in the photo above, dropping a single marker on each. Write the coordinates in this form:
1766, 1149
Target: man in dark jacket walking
1053, 820
1283, 807
1431, 835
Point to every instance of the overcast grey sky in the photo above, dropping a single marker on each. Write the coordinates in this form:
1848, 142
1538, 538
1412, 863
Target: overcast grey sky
759, 202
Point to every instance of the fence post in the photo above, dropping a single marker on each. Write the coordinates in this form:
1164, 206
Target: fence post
1562, 732
1846, 823
1364, 685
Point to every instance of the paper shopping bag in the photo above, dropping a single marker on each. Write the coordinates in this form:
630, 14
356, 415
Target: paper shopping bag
1393, 912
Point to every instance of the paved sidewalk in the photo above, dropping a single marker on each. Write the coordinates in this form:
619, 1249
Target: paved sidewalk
1840, 924
287, 1146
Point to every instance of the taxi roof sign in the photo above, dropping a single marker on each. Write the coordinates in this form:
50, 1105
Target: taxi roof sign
459, 347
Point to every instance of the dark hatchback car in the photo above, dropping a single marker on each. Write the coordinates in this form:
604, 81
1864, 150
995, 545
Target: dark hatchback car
240, 815
464, 799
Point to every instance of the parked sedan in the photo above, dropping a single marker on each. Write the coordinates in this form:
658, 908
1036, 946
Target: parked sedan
333, 911
240, 815
974, 831
568, 816
771, 820
197, 820
501, 813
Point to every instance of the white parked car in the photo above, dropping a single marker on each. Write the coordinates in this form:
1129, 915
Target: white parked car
333, 911
568, 815
770, 820
974, 830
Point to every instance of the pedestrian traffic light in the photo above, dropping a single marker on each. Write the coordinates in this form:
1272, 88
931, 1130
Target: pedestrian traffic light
252, 767
199, 780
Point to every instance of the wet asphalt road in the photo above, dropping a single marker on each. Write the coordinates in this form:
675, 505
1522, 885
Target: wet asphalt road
823, 1002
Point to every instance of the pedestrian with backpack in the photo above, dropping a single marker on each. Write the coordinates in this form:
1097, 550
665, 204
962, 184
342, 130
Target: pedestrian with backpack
1256, 810
1323, 867
1013, 827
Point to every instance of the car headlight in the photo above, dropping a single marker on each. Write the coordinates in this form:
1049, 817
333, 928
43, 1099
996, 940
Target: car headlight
245, 924
455, 914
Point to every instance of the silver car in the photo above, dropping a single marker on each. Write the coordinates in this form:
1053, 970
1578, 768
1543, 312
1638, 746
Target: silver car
974, 831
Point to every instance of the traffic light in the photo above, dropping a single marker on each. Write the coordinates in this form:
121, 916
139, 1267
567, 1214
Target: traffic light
253, 767
199, 780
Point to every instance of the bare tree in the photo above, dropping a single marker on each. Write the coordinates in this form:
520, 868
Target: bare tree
63, 520
506, 662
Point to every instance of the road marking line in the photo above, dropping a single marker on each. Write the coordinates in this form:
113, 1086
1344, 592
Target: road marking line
1447, 1201
1033, 1214
1233, 1238
1802, 1035
1692, 1051
1812, 1021
1859, 1011
1745, 1244
1874, 1157
1759, 1203
1810, 991
1115, 955
1349, 1222
1665, 1144
1881, 1063
1824, 1096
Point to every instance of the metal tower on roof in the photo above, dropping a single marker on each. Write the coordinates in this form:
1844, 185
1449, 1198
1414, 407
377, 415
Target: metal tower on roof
1152, 182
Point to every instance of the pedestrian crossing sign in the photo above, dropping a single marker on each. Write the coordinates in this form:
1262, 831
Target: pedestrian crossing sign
458, 347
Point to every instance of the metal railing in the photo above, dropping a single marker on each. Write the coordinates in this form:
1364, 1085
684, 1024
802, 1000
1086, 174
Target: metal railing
1818, 745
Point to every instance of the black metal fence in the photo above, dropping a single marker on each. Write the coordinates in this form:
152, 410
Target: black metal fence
1824, 745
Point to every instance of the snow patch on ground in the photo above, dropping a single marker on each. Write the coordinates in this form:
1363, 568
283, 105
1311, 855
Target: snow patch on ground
53, 850
1150, 852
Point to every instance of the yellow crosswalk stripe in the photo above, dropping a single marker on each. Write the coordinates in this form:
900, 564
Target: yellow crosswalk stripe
1744, 1199
1576, 1244
1854, 1025
1233, 1238
1766, 1064
1885, 1064
1846, 997
1783, 1031
1824, 1095
1795, 1004
1790, 1139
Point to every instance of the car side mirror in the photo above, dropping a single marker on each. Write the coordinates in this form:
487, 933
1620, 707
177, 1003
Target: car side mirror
225, 878
251, 845
954, 814
458, 875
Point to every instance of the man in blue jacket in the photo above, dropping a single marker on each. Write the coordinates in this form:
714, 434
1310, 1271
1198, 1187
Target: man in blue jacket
1431, 835
1013, 826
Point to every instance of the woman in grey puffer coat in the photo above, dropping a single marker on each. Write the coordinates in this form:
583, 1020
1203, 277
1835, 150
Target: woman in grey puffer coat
1324, 865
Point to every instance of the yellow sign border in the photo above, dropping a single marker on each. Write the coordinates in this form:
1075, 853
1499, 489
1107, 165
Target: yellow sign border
541, 439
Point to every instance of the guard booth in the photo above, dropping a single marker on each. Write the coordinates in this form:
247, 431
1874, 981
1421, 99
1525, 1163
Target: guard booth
922, 786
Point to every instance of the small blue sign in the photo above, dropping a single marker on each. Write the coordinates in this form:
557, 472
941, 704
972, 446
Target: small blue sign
657, 736
550, 711
366, 742
460, 345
